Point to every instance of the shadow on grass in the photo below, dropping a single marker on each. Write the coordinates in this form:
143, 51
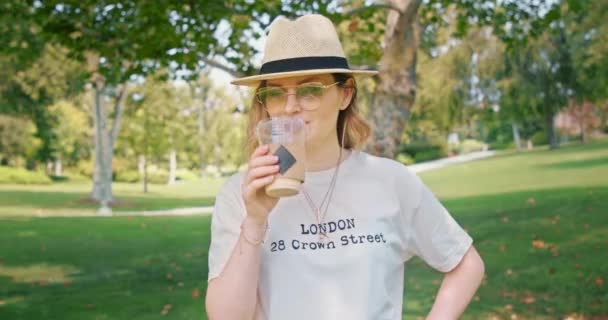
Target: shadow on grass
120, 268
544, 252
579, 164
27, 202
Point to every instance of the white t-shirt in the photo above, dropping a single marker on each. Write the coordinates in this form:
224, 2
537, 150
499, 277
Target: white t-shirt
380, 215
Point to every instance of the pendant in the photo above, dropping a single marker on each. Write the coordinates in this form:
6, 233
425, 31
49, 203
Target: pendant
323, 237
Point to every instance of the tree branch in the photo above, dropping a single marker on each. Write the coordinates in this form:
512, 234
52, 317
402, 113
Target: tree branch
373, 6
118, 108
221, 66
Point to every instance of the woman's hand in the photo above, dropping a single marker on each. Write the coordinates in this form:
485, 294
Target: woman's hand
262, 170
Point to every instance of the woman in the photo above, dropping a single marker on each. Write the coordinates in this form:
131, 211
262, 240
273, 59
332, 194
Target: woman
337, 249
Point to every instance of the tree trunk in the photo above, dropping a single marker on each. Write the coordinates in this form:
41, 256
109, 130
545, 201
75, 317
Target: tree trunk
105, 140
516, 136
396, 83
550, 127
58, 167
141, 159
172, 167
102, 177
145, 173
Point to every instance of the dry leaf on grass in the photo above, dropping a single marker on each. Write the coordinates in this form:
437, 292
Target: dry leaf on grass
196, 293
166, 309
531, 201
528, 300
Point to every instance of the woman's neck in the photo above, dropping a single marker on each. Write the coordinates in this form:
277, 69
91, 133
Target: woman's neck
323, 157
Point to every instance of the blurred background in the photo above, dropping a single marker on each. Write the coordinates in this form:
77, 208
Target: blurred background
118, 125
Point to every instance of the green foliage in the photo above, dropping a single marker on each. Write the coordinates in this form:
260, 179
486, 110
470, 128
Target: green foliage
466, 146
422, 151
22, 176
405, 158
539, 138
17, 140
72, 132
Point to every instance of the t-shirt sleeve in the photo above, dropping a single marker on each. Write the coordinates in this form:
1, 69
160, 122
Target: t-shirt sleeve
433, 234
228, 215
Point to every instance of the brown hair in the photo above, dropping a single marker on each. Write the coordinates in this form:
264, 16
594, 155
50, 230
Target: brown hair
357, 129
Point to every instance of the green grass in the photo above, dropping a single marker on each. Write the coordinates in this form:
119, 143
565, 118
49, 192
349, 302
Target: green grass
67, 198
132, 267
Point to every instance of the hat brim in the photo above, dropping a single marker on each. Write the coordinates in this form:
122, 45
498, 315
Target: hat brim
253, 81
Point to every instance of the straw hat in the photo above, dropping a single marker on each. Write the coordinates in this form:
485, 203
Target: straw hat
305, 46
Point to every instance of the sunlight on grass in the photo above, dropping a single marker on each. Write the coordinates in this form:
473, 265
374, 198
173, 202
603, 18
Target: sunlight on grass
39, 273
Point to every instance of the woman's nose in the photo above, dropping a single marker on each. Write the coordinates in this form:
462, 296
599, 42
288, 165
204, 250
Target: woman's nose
292, 105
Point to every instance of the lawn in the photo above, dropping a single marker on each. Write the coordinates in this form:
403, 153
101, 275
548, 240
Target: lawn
539, 219
67, 198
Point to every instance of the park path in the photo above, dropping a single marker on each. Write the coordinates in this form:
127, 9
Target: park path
417, 168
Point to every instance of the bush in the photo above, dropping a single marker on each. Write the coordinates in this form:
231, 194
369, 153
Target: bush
539, 138
502, 145
129, 176
22, 176
405, 159
428, 155
155, 176
187, 175
425, 151
470, 145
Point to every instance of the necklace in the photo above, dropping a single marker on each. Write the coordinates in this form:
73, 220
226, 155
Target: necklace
319, 211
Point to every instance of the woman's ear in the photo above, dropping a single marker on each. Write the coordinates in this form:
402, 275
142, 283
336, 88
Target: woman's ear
349, 89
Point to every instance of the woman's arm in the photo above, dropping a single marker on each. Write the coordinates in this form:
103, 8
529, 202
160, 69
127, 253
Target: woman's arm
458, 287
233, 294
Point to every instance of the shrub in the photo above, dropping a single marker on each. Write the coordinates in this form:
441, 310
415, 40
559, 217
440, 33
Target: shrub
539, 138
470, 145
428, 155
129, 176
155, 176
425, 151
405, 159
502, 145
187, 175
22, 176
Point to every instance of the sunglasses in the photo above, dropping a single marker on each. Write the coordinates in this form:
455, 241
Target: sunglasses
308, 96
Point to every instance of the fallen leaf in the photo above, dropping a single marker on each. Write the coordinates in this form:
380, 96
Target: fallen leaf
476, 298
589, 209
166, 309
503, 247
528, 300
599, 281
539, 244
169, 276
2, 302
196, 293
505, 219
509, 307
531, 201
514, 316
552, 270
180, 284
509, 272
352, 26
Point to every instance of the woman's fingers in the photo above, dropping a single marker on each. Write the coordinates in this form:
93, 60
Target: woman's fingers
263, 161
261, 172
252, 187
261, 150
